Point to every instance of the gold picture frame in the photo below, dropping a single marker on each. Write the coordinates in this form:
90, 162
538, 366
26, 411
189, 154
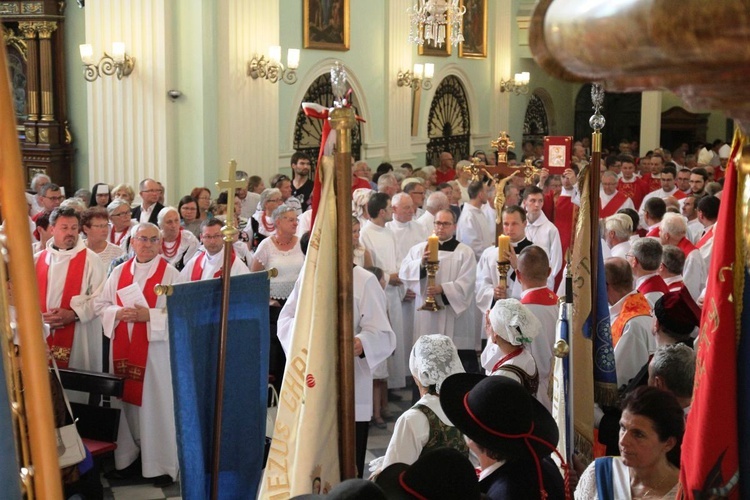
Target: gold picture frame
326, 24
444, 51
474, 45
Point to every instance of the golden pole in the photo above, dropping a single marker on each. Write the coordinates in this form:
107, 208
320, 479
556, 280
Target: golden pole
229, 232
38, 396
597, 122
342, 120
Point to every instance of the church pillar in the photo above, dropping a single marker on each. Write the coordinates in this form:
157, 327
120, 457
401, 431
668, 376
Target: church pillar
650, 121
399, 100
248, 119
503, 20
128, 120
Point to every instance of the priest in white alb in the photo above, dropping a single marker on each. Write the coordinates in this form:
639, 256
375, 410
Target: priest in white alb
208, 262
69, 276
135, 318
453, 290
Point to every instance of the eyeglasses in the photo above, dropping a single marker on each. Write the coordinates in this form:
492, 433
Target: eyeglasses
121, 214
443, 224
275, 200
418, 192
99, 226
151, 191
146, 239
191, 209
55, 198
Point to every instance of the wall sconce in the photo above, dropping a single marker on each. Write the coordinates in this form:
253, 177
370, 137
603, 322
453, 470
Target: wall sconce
119, 63
421, 75
518, 85
271, 69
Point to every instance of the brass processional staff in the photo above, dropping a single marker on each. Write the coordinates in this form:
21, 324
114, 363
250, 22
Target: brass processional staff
32, 403
342, 120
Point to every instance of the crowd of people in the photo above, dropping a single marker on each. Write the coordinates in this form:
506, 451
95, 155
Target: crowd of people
97, 256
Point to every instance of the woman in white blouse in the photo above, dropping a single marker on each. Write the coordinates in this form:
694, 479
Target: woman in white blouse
282, 251
424, 426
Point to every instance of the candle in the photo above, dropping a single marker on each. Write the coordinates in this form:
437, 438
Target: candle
503, 247
432, 247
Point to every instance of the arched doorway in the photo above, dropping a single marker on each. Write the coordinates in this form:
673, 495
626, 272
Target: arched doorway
536, 122
448, 123
622, 112
308, 131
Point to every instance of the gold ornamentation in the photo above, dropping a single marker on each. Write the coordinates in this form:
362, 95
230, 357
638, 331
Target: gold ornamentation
28, 29
8, 8
503, 144
529, 171
44, 135
430, 304
500, 197
45, 28
11, 39
474, 169
31, 134
32, 8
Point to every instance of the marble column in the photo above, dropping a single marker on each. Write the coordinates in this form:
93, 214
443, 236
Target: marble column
399, 100
650, 120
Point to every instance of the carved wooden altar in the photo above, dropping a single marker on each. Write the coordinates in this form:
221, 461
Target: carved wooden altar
33, 33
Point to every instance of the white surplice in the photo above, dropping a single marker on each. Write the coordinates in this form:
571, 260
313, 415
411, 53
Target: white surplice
148, 429
544, 234
86, 351
474, 229
457, 274
636, 344
212, 264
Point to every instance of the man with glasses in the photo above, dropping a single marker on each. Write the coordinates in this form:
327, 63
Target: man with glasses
668, 187
69, 276
50, 197
135, 318
148, 211
610, 199
208, 262
453, 290
417, 192
361, 175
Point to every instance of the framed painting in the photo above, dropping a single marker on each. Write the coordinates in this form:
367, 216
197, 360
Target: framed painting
474, 45
326, 24
444, 51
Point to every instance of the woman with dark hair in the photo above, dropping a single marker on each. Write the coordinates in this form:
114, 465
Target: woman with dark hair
188, 208
651, 430
203, 196
100, 195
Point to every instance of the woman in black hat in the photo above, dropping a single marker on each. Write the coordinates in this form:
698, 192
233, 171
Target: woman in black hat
442, 474
511, 433
651, 430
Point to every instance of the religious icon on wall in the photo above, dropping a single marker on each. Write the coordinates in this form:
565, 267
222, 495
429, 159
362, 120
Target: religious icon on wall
474, 45
326, 24
428, 49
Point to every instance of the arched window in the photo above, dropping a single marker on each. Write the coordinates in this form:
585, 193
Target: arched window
535, 123
308, 131
448, 124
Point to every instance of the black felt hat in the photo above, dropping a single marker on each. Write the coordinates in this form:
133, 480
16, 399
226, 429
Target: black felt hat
444, 473
351, 489
499, 414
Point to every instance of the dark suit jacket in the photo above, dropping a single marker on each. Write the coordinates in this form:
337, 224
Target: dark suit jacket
517, 480
154, 214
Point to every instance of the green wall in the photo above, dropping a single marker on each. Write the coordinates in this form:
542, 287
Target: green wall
75, 35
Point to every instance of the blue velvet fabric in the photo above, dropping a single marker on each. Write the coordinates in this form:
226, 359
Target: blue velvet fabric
194, 323
9, 468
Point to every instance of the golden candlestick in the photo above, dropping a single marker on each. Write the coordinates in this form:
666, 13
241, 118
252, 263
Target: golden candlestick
502, 271
429, 303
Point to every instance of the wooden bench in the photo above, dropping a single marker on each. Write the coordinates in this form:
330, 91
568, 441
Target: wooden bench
97, 423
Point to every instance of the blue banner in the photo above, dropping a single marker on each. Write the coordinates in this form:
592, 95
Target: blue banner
194, 322
605, 375
9, 466
743, 388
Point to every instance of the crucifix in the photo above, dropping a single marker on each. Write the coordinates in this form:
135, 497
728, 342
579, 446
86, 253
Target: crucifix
229, 232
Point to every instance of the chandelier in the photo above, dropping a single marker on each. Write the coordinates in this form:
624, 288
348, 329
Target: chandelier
430, 20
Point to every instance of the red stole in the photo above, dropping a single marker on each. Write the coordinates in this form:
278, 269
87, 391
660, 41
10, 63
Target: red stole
541, 297
652, 183
653, 284
654, 232
635, 190
61, 340
118, 240
676, 286
678, 194
129, 355
613, 206
686, 246
549, 205
635, 305
198, 267
564, 220
705, 238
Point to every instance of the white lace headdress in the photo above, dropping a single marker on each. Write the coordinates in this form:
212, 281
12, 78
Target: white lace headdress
434, 358
514, 322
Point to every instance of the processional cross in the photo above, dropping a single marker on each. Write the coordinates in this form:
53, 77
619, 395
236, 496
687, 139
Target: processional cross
229, 231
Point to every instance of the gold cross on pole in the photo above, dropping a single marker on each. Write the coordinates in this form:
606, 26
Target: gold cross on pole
230, 185
529, 171
475, 169
503, 144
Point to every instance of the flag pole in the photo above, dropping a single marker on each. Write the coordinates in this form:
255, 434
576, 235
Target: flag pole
41, 477
342, 120
229, 232
597, 122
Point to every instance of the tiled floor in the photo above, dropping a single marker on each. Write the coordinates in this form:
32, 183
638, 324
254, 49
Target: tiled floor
142, 489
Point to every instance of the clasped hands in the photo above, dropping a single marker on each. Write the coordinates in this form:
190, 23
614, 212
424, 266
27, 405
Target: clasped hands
137, 314
59, 317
